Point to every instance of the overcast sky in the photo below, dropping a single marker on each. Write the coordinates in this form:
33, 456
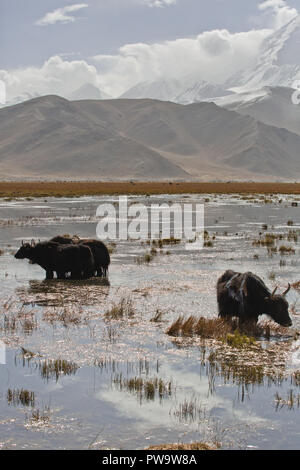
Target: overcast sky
51, 46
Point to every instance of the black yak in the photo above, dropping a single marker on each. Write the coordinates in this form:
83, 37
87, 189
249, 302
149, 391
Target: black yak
62, 259
99, 250
245, 295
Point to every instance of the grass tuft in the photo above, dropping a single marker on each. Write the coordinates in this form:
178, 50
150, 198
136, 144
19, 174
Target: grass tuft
18, 397
124, 309
229, 331
54, 369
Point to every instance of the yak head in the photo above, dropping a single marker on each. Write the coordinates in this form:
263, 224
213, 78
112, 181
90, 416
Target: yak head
278, 308
26, 251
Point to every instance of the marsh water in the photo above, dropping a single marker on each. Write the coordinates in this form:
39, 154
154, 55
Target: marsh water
78, 378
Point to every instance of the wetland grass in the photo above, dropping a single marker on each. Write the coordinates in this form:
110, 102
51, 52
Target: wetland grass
190, 411
267, 240
217, 328
295, 378
112, 247
26, 354
170, 241
292, 236
123, 310
243, 372
286, 250
44, 189
16, 321
270, 241
54, 369
16, 397
107, 364
291, 402
191, 446
235, 341
39, 417
111, 334
239, 340
146, 258
145, 388
158, 317
296, 285
272, 276
67, 316
208, 243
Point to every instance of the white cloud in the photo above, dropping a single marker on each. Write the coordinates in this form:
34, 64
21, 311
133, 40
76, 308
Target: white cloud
212, 56
61, 15
158, 3
56, 76
282, 12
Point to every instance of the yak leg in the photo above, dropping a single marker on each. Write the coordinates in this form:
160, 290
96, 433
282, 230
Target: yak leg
223, 314
222, 307
76, 275
86, 274
98, 271
89, 274
61, 275
49, 274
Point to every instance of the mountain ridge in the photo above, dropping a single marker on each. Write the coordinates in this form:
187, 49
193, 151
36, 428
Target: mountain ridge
51, 137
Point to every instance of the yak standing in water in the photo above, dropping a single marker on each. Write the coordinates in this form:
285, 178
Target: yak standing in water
245, 295
62, 259
98, 248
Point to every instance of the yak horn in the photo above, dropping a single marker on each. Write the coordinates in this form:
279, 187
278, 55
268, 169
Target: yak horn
273, 293
288, 289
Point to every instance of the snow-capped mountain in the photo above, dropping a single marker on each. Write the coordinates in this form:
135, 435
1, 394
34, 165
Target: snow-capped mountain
163, 90
278, 65
184, 91
279, 62
201, 91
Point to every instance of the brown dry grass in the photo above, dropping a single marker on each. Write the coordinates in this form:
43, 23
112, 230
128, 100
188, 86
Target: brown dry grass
148, 389
76, 189
192, 446
296, 285
67, 316
124, 309
218, 328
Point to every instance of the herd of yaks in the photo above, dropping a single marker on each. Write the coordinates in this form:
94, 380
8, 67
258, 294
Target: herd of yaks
242, 295
80, 258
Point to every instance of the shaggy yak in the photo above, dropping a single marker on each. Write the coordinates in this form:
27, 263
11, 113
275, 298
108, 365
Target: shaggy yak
247, 297
62, 259
98, 248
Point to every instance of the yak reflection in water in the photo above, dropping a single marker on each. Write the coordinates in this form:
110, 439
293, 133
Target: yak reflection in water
56, 292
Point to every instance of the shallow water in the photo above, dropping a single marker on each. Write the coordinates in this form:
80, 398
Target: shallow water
89, 404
